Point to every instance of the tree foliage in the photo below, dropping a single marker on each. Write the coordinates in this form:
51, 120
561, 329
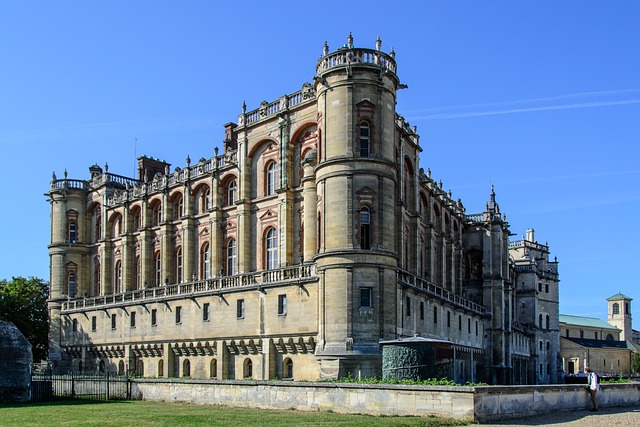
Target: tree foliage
635, 362
24, 302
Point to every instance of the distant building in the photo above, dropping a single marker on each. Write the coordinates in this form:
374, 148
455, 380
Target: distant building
605, 347
310, 239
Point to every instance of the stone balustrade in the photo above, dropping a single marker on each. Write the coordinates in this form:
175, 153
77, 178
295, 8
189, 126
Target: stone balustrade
218, 285
360, 56
440, 293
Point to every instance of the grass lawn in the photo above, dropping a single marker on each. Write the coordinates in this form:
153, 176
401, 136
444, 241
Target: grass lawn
70, 413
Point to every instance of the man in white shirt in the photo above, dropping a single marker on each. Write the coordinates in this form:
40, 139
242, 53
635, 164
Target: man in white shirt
593, 386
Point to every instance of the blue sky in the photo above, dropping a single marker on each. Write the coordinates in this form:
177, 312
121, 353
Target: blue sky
540, 98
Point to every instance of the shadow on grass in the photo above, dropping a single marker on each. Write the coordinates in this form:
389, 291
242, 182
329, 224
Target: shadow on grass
60, 402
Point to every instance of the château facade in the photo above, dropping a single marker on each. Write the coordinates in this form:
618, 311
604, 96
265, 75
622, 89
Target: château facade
310, 239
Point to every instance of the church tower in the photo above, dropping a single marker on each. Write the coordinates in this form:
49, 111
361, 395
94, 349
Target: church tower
620, 315
356, 178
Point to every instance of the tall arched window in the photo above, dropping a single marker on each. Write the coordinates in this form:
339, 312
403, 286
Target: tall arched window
118, 277
271, 247
136, 214
98, 223
231, 257
140, 368
540, 321
186, 368
157, 214
160, 368
136, 273
71, 285
232, 189
205, 262
616, 308
272, 176
96, 277
365, 139
547, 321
206, 202
179, 265
157, 262
365, 228
73, 232
178, 207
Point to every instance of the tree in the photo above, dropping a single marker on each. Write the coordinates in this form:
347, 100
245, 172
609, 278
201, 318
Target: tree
24, 302
635, 362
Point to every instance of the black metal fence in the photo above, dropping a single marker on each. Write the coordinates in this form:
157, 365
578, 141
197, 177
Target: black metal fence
46, 387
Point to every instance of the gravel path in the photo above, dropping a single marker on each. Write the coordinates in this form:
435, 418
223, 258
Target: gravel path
609, 417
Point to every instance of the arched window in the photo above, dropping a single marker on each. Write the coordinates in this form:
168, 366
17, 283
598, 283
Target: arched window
179, 265
547, 321
288, 369
540, 321
365, 139
205, 262
248, 369
160, 368
271, 248
71, 285
157, 262
232, 189
178, 208
118, 277
136, 273
73, 232
626, 308
121, 367
272, 176
231, 257
140, 368
98, 223
157, 213
186, 368
213, 368
136, 218
96, 277
206, 202
616, 308
365, 228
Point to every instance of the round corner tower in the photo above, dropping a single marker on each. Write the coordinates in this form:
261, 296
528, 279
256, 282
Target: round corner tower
356, 178
68, 251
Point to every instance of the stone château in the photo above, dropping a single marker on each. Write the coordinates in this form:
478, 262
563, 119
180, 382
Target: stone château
312, 238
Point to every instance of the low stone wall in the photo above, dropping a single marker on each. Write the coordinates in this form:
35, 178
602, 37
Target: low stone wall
479, 404
450, 402
508, 402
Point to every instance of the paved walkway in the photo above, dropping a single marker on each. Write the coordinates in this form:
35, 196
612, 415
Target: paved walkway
609, 417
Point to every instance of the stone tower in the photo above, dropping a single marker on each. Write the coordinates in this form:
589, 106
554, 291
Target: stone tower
357, 257
620, 315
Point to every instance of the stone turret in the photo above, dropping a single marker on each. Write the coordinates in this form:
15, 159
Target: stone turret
357, 260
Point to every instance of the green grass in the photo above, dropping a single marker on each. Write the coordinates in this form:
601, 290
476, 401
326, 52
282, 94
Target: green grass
71, 413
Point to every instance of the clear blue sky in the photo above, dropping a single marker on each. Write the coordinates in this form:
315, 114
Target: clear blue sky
541, 98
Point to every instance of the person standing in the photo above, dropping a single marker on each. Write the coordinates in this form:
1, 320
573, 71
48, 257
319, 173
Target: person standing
593, 386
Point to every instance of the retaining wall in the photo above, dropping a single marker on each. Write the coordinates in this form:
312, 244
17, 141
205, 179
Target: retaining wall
480, 404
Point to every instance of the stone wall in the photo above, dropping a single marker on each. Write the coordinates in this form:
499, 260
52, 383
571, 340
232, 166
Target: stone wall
15, 364
479, 404
452, 402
